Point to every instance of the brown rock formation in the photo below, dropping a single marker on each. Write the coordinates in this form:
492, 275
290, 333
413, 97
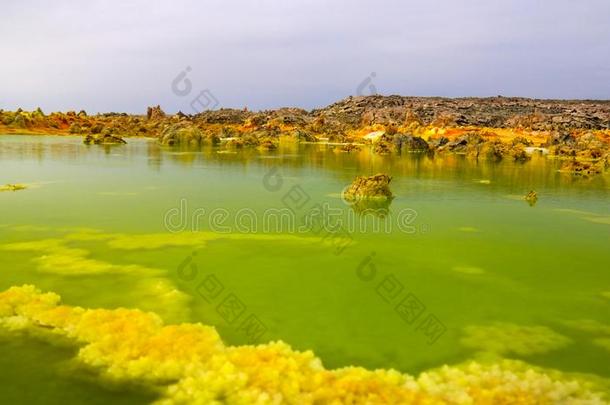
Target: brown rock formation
155, 113
377, 186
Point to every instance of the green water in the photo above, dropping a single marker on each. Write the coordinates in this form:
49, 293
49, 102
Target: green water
471, 252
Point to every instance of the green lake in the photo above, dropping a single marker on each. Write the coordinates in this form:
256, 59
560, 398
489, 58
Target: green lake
457, 267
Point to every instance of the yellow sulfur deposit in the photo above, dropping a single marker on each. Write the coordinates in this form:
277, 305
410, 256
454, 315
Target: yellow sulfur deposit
603, 343
508, 338
152, 241
57, 258
152, 290
589, 326
13, 187
190, 364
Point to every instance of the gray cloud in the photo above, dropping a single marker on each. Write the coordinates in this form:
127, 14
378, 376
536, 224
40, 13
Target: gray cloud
122, 56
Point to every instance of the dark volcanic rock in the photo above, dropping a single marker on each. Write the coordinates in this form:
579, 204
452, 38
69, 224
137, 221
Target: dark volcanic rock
410, 143
497, 112
103, 139
464, 143
224, 116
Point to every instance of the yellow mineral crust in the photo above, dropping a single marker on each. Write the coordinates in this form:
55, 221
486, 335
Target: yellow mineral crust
190, 364
507, 338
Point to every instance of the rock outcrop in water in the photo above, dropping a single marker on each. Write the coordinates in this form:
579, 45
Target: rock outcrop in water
371, 187
531, 198
103, 139
181, 134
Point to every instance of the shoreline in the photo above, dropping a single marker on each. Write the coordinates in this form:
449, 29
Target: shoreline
495, 129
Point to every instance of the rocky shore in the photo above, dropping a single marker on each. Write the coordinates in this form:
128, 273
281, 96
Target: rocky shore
576, 131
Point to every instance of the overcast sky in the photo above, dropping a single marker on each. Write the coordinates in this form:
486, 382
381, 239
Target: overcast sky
124, 56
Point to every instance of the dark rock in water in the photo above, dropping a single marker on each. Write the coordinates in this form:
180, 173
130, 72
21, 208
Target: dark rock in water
531, 198
583, 168
267, 144
103, 139
384, 145
181, 133
348, 148
438, 142
377, 186
410, 143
